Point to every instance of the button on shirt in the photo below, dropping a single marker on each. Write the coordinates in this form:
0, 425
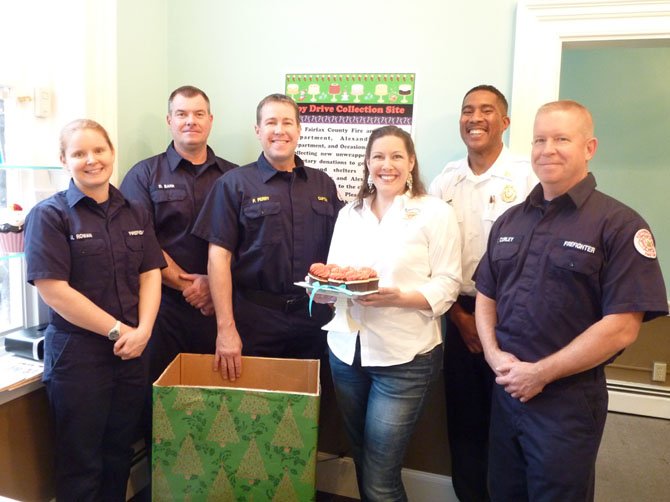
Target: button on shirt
69, 237
555, 271
415, 246
275, 223
173, 190
480, 199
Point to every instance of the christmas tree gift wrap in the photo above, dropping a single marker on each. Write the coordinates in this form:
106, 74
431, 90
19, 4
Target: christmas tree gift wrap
252, 439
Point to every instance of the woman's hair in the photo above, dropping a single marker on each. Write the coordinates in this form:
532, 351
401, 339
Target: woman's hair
76, 125
417, 186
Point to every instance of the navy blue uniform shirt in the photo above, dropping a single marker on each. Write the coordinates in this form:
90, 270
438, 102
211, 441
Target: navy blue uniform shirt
556, 270
173, 190
100, 253
275, 223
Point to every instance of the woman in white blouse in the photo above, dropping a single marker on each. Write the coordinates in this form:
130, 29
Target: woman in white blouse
383, 372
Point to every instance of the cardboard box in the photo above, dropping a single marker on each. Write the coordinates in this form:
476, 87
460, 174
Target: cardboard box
252, 439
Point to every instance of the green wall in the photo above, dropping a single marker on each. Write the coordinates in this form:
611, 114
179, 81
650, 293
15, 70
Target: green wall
142, 86
238, 52
626, 89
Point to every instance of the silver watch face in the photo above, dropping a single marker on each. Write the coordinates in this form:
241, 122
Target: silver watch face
114, 334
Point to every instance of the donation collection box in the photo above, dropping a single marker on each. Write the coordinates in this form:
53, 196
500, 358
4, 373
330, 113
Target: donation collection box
251, 439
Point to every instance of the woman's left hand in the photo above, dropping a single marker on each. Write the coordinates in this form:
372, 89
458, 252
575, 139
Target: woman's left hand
385, 297
131, 344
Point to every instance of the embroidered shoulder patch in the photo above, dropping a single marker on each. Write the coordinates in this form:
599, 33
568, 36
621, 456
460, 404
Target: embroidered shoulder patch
644, 243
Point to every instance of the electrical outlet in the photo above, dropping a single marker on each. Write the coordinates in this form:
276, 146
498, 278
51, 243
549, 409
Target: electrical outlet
659, 371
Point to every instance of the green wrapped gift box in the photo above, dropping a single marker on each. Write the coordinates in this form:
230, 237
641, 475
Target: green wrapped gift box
252, 439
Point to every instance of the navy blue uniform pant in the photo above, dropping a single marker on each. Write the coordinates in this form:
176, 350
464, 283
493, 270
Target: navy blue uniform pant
468, 384
545, 450
267, 332
178, 328
96, 400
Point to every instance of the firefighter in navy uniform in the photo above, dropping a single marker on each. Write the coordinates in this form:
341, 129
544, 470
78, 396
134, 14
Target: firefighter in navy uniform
266, 223
95, 261
567, 279
173, 186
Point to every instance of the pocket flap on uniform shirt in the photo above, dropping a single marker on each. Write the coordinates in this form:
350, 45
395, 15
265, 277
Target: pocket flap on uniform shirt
575, 261
87, 247
135, 242
322, 208
505, 251
168, 194
260, 209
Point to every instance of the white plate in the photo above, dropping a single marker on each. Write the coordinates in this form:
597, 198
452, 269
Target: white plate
334, 291
341, 321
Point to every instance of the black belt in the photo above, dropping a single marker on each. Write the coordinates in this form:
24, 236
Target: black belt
283, 303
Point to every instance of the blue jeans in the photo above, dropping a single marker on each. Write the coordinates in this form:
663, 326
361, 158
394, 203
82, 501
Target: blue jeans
380, 406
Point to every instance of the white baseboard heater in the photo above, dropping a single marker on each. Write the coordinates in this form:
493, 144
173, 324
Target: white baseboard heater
639, 399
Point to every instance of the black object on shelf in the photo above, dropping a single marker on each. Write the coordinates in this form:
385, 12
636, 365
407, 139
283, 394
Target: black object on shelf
27, 342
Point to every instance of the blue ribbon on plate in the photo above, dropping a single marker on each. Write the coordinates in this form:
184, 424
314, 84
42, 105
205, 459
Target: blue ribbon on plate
317, 286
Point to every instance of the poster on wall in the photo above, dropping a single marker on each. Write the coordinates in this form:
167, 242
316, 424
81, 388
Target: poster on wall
339, 110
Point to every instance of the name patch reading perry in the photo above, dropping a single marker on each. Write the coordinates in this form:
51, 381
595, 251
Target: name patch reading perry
260, 199
78, 237
580, 246
505, 239
135, 232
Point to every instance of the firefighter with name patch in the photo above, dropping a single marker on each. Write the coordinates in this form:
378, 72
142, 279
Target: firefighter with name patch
95, 261
266, 223
567, 279
173, 186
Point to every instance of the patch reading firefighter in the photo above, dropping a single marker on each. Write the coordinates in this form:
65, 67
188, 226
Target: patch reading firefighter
580, 246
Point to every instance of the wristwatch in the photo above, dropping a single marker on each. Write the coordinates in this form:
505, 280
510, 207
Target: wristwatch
115, 332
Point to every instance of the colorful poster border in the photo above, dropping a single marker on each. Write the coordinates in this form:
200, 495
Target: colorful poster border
338, 112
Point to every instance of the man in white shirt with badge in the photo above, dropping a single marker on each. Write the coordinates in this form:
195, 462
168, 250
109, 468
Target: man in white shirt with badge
480, 187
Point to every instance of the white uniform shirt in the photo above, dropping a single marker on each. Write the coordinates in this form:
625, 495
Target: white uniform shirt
479, 200
416, 246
